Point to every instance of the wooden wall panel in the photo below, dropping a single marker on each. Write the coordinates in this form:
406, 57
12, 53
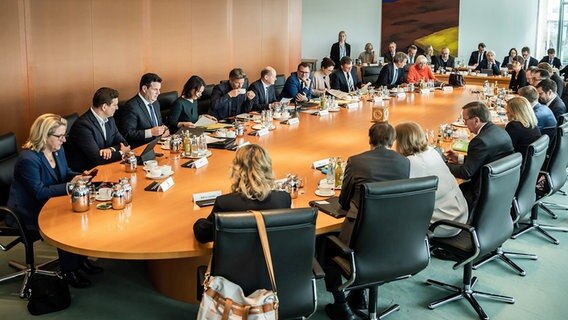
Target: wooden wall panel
60, 59
58, 52
14, 105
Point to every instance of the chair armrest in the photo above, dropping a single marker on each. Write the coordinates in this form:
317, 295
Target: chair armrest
451, 223
338, 244
317, 269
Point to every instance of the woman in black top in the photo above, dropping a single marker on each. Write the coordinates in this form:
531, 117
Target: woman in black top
184, 109
522, 126
340, 49
252, 189
518, 76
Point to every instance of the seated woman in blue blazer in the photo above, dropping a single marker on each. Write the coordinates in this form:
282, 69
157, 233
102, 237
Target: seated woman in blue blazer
252, 188
41, 172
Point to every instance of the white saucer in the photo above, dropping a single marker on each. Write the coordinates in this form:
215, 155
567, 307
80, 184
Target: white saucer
331, 193
99, 197
333, 109
259, 126
208, 154
162, 176
166, 147
281, 118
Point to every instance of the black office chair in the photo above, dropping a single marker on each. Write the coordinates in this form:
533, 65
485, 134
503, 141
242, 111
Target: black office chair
523, 202
238, 256
389, 241
554, 176
71, 118
204, 103
166, 99
18, 234
279, 84
489, 226
370, 74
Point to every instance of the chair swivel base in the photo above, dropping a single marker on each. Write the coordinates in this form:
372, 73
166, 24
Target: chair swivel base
505, 257
534, 225
26, 272
373, 316
467, 293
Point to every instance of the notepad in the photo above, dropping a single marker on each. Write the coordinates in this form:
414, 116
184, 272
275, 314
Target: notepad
460, 145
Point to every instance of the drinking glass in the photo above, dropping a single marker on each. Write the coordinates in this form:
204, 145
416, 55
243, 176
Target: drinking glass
194, 147
202, 145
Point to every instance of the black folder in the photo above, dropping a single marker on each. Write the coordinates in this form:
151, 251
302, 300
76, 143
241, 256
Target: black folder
333, 208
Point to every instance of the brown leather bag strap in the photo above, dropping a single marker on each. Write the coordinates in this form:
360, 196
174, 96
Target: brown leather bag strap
265, 246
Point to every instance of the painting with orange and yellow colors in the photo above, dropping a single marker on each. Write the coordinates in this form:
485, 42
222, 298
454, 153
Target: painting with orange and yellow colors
422, 23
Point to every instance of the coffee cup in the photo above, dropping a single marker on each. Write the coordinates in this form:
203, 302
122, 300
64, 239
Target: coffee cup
166, 170
231, 134
149, 164
221, 133
325, 188
155, 171
242, 91
105, 193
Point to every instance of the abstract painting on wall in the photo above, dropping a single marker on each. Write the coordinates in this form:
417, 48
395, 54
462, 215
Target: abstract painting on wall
422, 23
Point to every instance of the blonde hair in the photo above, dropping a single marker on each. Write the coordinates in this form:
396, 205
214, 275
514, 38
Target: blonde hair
410, 139
251, 173
420, 59
339, 35
521, 110
44, 126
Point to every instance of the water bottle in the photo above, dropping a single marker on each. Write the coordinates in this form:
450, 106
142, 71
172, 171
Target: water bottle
330, 177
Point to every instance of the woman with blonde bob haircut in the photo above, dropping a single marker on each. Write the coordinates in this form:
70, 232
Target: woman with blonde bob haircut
522, 126
450, 203
252, 188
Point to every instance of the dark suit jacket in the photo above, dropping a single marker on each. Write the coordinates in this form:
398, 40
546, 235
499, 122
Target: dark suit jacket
293, 86
388, 57
380, 164
182, 111
203, 229
506, 62
533, 62
135, 119
337, 80
518, 81
334, 53
490, 144
484, 65
558, 107
260, 101
35, 182
386, 76
474, 57
86, 140
223, 106
439, 63
555, 63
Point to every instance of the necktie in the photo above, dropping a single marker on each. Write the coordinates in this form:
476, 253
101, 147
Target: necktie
527, 63
104, 130
479, 56
394, 75
349, 81
153, 115
265, 95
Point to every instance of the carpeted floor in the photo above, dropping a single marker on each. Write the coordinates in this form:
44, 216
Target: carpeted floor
124, 292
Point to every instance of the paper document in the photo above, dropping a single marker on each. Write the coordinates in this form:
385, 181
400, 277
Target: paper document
204, 121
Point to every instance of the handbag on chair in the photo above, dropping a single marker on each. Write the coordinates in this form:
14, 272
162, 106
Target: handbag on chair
225, 300
456, 80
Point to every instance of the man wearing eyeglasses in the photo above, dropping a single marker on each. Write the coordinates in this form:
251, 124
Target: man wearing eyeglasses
345, 78
94, 138
298, 86
490, 143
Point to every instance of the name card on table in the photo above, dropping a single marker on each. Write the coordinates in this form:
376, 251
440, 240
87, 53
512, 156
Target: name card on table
320, 163
378, 101
262, 132
324, 112
401, 94
292, 121
166, 184
425, 91
352, 105
448, 89
206, 195
201, 162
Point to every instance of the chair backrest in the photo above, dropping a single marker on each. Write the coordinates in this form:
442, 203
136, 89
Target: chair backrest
370, 74
491, 216
525, 196
390, 234
166, 99
314, 63
71, 118
279, 84
8, 157
556, 165
237, 255
204, 103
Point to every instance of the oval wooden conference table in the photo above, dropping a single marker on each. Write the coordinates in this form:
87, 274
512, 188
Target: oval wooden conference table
157, 226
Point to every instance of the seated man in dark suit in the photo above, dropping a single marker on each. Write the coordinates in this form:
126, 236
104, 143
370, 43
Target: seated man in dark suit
140, 118
490, 143
444, 61
547, 95
298, 86
551, 58
489, 63
378, 164
389, 55
345, 78
477, 56
94, 138
546, 121
392, 74
263, 89
528, 61
229, 98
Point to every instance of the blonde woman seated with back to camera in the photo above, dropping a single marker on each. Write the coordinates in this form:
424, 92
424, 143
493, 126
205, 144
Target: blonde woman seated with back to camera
252, 188
450, 203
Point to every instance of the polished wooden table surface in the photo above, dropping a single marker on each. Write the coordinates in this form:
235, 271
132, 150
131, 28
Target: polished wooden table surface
478, 80
157, 226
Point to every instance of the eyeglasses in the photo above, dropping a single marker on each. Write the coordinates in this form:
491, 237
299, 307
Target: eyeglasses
60, 136
303, 72
465, 119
